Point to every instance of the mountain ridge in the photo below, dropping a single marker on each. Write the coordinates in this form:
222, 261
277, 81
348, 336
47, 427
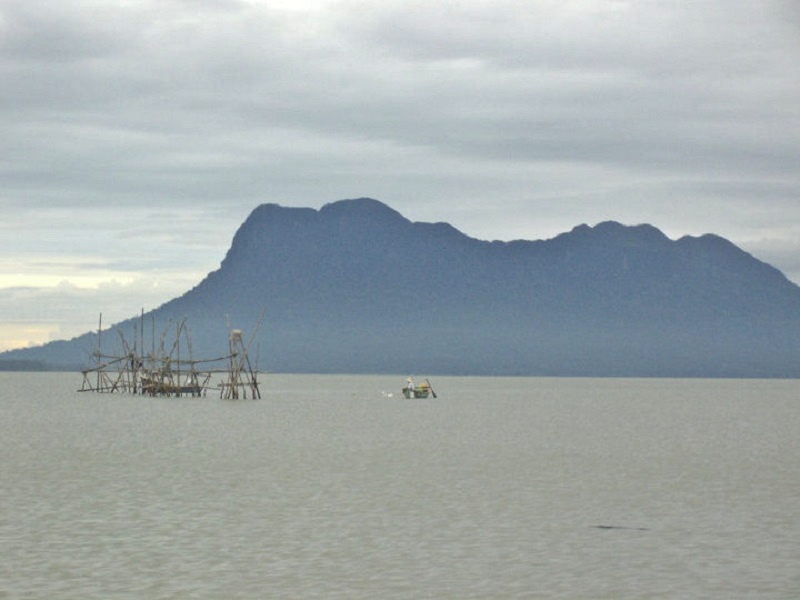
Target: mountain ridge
357, 287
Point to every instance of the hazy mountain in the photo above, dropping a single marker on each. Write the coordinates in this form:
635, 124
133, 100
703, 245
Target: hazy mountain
356, 287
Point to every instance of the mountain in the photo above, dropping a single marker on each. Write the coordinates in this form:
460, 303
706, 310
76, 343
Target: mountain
356, 287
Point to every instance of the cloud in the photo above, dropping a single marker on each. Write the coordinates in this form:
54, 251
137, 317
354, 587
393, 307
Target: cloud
39, 314
202, 100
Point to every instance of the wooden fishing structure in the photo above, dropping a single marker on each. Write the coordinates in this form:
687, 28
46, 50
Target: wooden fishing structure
169, 369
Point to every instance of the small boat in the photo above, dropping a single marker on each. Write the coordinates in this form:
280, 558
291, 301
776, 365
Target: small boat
422, 390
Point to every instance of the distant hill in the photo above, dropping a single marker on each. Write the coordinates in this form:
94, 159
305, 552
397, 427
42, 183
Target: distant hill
355, 287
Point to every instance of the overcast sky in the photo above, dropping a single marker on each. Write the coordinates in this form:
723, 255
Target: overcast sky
137, 135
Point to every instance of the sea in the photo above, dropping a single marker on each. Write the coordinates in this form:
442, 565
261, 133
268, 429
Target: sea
338, 487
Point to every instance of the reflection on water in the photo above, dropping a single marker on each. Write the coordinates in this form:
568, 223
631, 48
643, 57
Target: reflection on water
329, 488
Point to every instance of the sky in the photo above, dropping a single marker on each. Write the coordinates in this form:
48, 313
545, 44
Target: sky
137, 135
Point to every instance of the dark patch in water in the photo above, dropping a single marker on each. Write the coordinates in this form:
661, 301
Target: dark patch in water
620, 527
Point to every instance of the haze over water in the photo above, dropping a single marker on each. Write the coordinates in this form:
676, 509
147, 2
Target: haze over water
337, 487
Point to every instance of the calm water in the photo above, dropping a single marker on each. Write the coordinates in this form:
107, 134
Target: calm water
328, 488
